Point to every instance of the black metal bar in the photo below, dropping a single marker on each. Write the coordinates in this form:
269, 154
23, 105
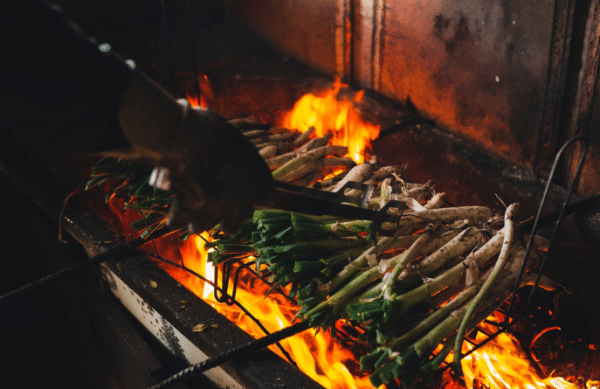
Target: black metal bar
223, 297
236, 277
485, 341
193, 44
170, 54
118, 253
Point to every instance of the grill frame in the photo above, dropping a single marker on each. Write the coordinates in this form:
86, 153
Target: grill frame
155, 308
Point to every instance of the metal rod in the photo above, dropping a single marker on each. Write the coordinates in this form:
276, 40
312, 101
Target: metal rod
170, 55
541, 208
224, 297
532, 227
193, 44
236, 353
558, 221
119, 253
236, 277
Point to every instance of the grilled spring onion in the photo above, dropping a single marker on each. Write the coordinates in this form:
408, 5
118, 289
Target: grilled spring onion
129, 181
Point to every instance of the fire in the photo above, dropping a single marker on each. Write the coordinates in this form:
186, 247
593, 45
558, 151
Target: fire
200, 95
503, 364
193, 100
500, 364
317, 354
327, 112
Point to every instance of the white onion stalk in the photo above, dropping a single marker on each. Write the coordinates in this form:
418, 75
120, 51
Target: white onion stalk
503, 257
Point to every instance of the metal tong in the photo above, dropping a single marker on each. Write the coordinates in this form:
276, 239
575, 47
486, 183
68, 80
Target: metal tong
310, 201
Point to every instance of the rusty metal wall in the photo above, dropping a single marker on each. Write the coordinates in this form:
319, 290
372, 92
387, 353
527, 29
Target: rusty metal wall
302, 29
481, 69
477, 67
584, 118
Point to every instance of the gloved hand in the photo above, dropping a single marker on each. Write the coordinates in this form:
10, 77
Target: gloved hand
218, 174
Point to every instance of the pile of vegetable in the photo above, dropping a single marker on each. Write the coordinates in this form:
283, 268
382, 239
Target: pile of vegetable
416, 293
411, 292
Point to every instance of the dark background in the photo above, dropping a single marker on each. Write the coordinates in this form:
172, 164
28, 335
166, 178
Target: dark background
37, 339
72, 334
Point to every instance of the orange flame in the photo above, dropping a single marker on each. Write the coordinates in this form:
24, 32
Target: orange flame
502, 364
193, 100
200, 95
318, 355
330, 113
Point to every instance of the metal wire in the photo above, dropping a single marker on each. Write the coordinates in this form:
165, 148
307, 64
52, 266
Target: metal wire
234, 302
226, 271
170, 54
193, 44
44, 282
225, 297
538, 215
557, 217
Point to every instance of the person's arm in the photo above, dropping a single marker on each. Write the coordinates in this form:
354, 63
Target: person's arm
61, 91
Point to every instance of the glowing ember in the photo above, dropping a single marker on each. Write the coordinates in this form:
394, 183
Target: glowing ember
328, 113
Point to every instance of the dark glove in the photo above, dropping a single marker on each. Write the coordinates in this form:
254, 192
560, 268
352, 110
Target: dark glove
217, 173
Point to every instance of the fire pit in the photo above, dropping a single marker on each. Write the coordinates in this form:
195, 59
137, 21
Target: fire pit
266, 85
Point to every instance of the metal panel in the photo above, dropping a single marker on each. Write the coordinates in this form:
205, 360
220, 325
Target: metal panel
162, 330
366, 42
302, 29
585, 117
478, 68
343, 40
492, 71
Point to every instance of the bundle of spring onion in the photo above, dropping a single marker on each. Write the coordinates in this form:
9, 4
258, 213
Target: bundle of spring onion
419, 291
129, 181
411, 292
300, 160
